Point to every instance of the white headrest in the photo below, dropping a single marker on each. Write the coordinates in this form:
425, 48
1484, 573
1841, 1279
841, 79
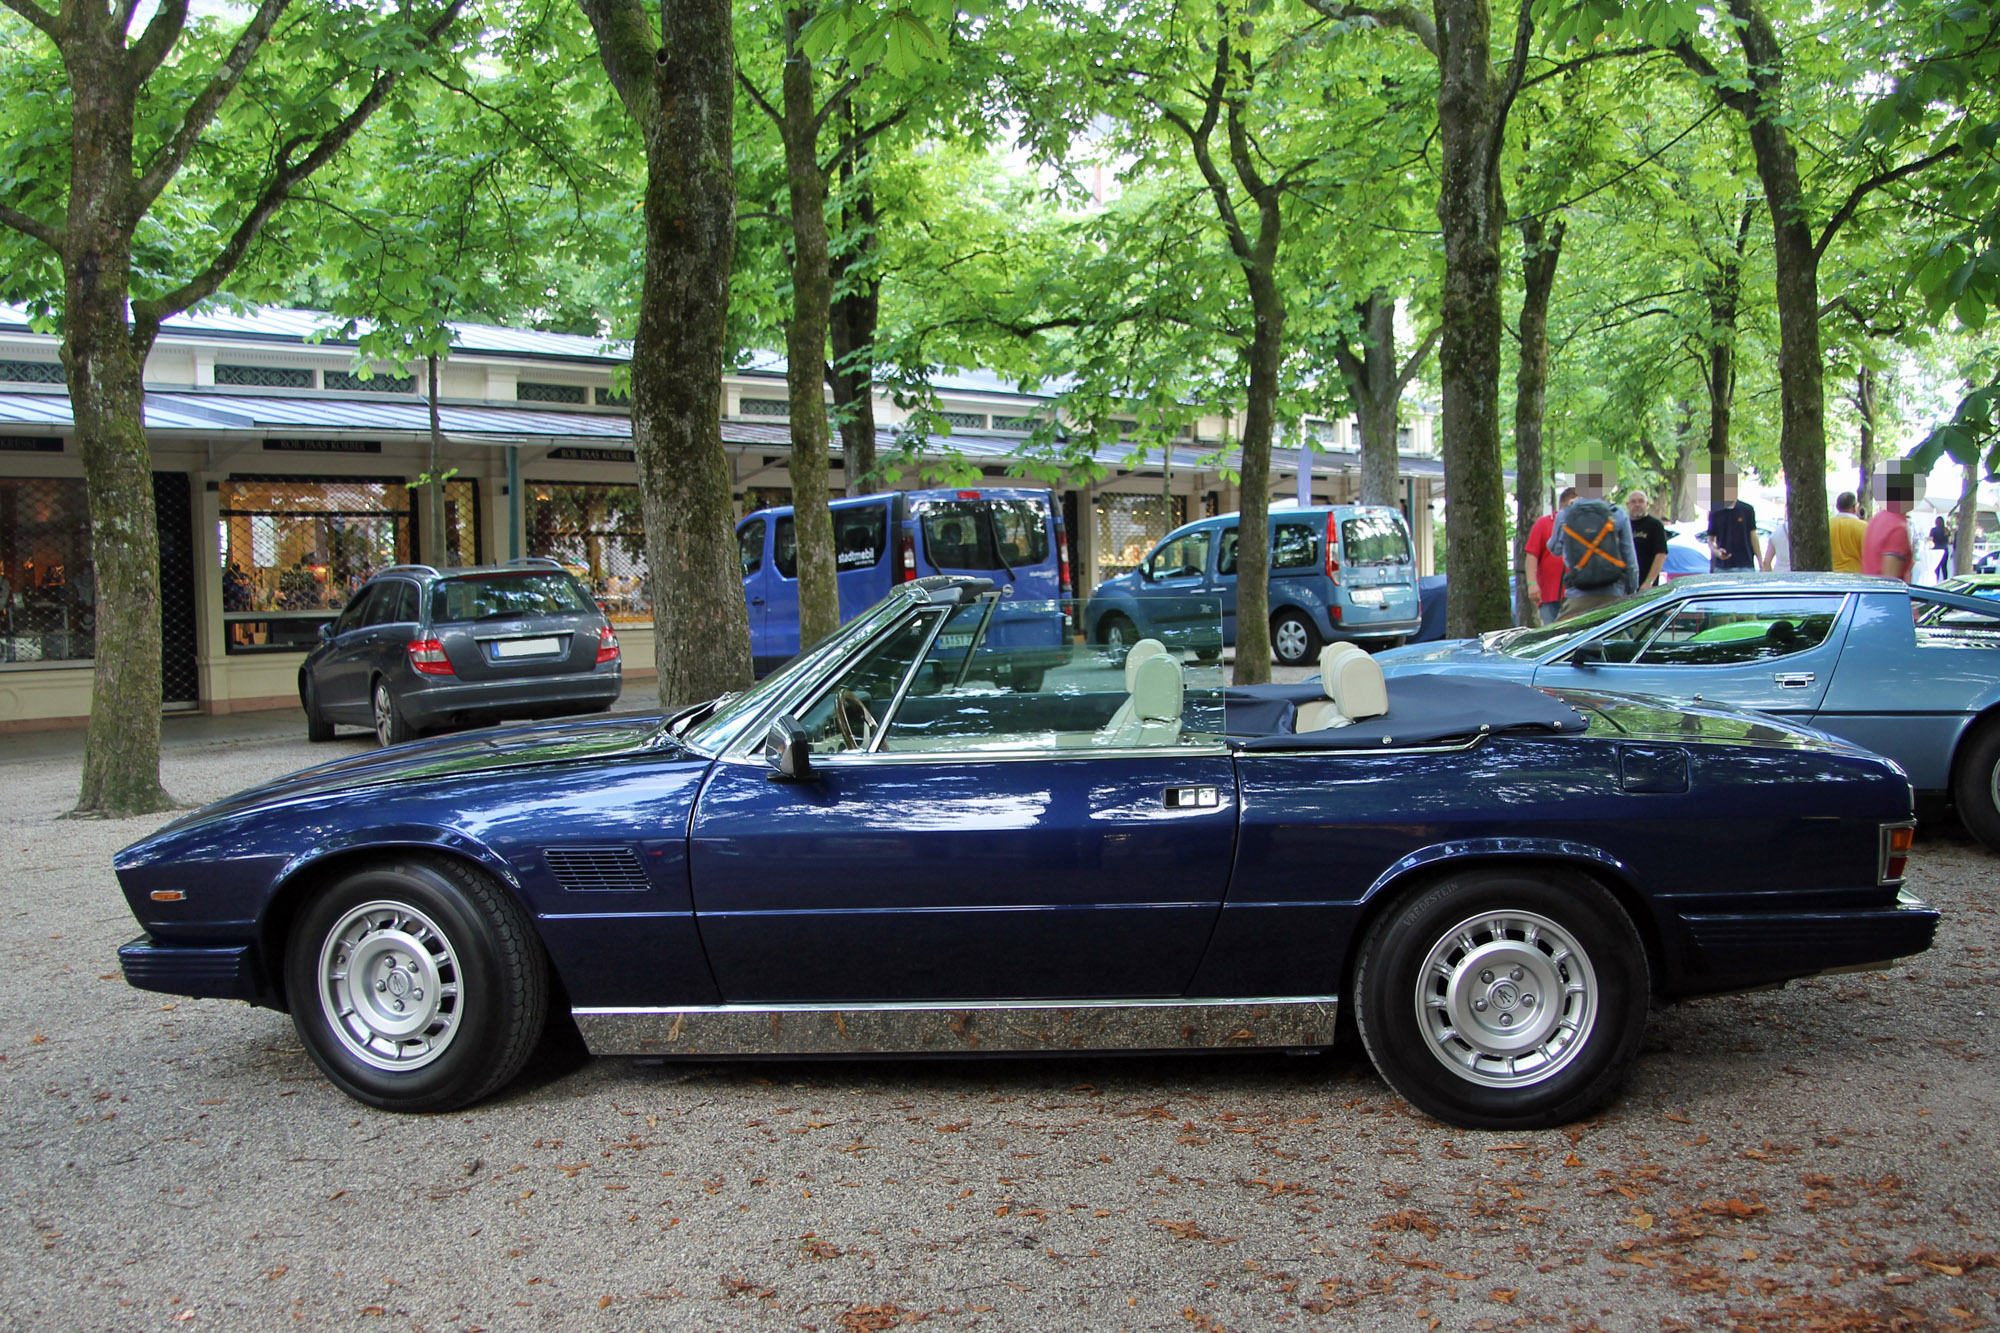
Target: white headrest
1156, 693
1329, 657
1141, 650
1357, 689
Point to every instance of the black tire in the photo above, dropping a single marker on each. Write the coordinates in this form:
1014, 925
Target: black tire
1117, 632
1027, 680
1975, 784
418, 928
1417, 987
1294, 639
318, 729
391, 727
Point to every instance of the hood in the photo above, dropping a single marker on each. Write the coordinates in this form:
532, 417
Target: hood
448, 756
1452, 655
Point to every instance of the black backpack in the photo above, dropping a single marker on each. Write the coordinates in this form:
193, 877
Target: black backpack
1590, 545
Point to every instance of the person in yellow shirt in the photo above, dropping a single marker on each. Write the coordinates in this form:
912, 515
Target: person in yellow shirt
1846, 531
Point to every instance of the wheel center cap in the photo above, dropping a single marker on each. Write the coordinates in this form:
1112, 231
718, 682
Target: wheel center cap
399, 981
1504, 995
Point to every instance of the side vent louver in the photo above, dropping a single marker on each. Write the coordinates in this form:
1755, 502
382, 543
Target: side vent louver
597, 869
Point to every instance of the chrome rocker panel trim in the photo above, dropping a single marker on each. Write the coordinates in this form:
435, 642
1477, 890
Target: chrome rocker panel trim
960, 1029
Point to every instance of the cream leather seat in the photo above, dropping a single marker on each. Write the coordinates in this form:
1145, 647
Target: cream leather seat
1138, 653
1354, 688
1155, 716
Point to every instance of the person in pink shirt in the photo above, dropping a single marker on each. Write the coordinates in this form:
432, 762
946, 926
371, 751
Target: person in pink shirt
1885, 547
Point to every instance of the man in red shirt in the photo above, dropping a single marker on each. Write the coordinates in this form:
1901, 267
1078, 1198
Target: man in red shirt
1548, 560
1885, 547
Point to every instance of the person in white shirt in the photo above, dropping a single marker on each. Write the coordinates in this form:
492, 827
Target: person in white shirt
1778, 551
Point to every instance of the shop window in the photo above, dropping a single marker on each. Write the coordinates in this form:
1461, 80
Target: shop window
1129, 526
48, 597
32, 372
350, 382
598, 534
264, 377
461, 524
529, 391
294, 549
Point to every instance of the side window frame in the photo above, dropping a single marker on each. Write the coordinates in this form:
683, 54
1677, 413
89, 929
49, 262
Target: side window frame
1837, 601
761, 527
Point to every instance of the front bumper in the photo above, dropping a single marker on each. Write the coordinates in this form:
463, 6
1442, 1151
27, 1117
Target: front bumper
206, 972
1798, 944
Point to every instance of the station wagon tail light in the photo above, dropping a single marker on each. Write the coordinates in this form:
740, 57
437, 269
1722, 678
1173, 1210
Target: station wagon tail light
906, 560
1332, 545
428, 656
1896, 840
607, 644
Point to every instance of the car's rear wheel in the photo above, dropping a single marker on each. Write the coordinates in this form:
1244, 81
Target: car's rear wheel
416, 985
1117, 632
391, 727
1503, 999
1294, 638
317, 727
1975, 787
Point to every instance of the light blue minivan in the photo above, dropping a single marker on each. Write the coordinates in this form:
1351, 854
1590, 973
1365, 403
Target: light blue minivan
1337, 572
1012, 535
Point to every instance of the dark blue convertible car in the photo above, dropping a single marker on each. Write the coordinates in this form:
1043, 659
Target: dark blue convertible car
888, 846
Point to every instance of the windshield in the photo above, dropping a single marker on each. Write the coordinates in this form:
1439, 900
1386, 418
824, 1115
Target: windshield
736, 712
1535, 642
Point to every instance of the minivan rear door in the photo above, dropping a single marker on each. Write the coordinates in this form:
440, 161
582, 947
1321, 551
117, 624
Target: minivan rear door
751, 537
861, 532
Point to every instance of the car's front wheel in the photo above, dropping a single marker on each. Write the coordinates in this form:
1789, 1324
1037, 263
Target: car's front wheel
1117, 632
1294, 639
1503, 999
391, 727
416, 985
1975, 787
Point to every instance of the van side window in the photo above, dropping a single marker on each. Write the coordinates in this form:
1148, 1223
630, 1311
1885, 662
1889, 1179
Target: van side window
1225, 552
750, 546
1294, 546
860, 536
785, 547
1186, 556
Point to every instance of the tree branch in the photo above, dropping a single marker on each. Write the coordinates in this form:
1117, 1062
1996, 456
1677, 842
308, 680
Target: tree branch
32, 228
776, 117
1741, 102
1517, 69
50, 25
157, 40
1418, 357
152, 48
147, 316
861, 138
834, 102
627, 43
1407, 17
1845, 212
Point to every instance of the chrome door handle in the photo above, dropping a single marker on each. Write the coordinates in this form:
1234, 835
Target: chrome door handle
1793, 680
1189, 798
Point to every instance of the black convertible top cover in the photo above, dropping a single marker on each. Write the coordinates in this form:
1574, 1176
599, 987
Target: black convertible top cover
1422, 710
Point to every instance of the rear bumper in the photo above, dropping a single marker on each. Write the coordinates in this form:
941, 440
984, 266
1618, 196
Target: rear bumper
535, 697
1730, 948
1376, 629
209, 972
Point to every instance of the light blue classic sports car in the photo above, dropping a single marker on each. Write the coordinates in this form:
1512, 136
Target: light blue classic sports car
1911, 673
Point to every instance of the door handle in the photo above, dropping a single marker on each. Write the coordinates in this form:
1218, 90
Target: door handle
1188, 798
1793, 680
756, 601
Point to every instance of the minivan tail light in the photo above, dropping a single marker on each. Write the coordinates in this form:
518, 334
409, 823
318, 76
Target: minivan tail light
968, 495
607, 644
428, 657
906, 560
1332, 546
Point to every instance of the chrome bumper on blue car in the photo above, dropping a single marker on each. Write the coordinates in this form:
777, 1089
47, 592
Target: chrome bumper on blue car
1766, 943
208, 972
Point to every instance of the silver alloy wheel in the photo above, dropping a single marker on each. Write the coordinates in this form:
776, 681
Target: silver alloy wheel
385, 714
1119, 635
1291, 640
1506, 999
389, 986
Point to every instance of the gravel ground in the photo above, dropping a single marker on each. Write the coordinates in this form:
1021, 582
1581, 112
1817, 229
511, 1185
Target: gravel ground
1821, 1157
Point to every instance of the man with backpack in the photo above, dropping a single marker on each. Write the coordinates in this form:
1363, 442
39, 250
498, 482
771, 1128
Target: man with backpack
1600, 560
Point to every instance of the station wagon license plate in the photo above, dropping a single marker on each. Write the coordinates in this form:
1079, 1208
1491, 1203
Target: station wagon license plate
954, 640
526, 647
1369, 596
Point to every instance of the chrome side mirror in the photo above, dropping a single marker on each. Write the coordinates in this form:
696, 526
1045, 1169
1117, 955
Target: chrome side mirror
788, 750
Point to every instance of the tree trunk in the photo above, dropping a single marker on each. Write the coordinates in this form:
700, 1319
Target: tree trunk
1253, 546
1471, 116
856, 313
1541, 247
1968, 521
805, 342
1373, 384
1685, 506
685, 109
436, 550
1865, 407
104, 364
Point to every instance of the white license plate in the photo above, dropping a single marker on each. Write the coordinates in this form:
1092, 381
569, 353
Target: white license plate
1369, 596
526, 647
954, 640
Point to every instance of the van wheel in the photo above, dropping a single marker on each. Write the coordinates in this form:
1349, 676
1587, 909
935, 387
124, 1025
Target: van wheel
1117, 632
1294, 641
1975, 788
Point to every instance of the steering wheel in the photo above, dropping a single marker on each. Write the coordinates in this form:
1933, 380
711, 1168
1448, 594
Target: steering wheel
843, 702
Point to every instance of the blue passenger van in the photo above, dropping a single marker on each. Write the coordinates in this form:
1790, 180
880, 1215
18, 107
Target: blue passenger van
1013, 536
1337, 572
